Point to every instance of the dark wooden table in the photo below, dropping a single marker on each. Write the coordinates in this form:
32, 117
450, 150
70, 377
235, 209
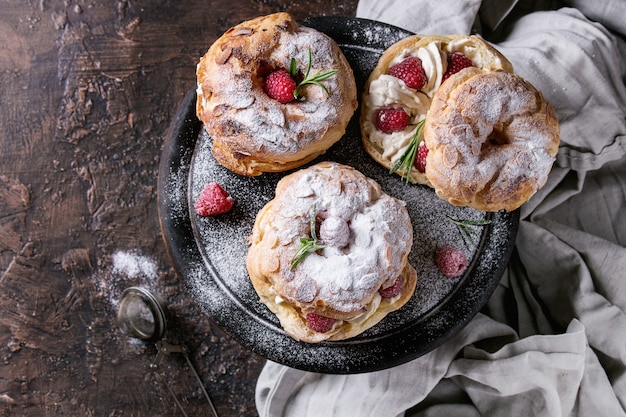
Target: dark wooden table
88, 90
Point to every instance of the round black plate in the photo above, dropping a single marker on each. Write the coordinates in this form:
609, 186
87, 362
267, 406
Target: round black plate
209, 252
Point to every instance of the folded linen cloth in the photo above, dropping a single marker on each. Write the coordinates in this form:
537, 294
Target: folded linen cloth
551, 340
492, 378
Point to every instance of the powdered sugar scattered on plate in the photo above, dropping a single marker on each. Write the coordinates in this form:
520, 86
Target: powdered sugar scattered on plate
212, 254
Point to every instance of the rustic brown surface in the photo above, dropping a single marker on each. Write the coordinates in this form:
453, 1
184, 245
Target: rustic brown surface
88, 90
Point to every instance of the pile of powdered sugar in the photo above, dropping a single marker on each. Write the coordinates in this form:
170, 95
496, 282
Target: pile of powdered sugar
133, 265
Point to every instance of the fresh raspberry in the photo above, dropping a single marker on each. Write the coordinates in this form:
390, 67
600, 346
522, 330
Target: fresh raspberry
280, 86
450, 261
213, 200
410, 71
456, 62
420, 159
392, 291
391, 120
319, 323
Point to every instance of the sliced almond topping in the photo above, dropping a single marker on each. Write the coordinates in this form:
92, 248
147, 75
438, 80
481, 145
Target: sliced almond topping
242, 32
450, 156
222, 58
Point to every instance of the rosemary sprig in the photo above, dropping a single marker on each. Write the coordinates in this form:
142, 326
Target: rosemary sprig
466, 229
315, 79
307, 244
408, 157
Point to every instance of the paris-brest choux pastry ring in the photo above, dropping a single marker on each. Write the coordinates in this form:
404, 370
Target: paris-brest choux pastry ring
492, 140
360, 274
253, 132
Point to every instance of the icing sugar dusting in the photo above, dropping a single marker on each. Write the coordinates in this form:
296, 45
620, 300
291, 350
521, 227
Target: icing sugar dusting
345, 279
218, 276
223, 240
286, 129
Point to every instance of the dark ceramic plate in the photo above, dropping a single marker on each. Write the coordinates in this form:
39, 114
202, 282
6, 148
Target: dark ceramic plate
210, 252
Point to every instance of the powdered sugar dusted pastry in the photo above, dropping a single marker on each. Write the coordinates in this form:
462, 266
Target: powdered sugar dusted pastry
329, 254
255, 133
398, 94
492, 140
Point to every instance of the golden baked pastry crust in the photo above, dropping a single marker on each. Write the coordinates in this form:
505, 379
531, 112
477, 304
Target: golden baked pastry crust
492, 140
342, 281
253, 133
483, 55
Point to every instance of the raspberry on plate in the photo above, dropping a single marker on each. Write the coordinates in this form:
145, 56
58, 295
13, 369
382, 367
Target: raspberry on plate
391, 120
410, 71
452, 262
280, 86
319, 323
213, 200
456, 62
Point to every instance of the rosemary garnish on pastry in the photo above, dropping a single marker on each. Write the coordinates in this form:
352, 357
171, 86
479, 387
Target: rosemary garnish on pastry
315, 79
308, 245
407, 159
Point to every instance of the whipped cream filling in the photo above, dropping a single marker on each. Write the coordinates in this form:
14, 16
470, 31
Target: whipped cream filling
371, 308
